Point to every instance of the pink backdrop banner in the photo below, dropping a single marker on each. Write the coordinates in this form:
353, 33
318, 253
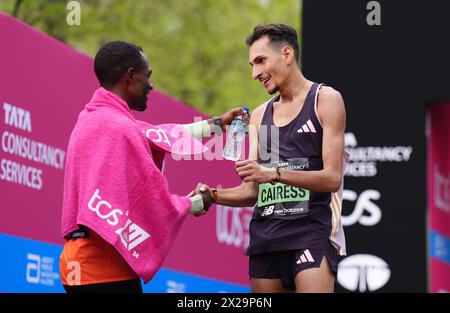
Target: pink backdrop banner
439, 196
44, 84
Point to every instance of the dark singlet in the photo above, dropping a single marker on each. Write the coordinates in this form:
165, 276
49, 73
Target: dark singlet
287, 217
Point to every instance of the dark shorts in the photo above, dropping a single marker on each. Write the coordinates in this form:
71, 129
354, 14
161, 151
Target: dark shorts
287, 264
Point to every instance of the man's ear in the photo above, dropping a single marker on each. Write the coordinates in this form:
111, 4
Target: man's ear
288, 54
129, 75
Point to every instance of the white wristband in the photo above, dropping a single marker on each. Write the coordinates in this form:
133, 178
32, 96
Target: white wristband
197, 204
199, 129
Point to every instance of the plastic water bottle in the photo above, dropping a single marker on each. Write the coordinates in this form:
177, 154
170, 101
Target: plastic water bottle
236, 137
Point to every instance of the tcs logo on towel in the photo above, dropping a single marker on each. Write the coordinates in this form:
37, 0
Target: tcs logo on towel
131, 235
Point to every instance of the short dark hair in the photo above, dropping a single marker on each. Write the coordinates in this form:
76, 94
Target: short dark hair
277, 33
114, 59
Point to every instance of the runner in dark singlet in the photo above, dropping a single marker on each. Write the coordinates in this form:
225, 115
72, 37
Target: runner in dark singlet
287, 218
294, 172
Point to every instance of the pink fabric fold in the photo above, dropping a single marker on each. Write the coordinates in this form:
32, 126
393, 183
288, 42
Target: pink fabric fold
170, 138
113, 186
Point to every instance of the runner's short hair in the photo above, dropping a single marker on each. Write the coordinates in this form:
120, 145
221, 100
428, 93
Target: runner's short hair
277, 33
114, 59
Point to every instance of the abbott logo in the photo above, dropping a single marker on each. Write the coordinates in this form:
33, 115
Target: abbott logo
363, 272
33, 268
41, 270
175, 287
74, 273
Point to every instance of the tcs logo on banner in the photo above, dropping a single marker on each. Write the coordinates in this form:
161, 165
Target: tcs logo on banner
365, 211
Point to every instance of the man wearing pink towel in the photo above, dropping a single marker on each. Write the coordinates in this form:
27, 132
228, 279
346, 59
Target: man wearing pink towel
119, 218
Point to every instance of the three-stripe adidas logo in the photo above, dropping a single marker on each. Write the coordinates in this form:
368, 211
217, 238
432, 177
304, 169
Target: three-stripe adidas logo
308, 127
306, 257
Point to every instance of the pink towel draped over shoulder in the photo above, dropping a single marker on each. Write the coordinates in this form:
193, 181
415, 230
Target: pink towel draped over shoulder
113, 186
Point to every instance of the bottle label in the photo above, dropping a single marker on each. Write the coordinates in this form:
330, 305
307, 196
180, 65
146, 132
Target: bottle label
235, 139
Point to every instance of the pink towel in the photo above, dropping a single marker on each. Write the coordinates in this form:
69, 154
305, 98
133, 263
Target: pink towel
113, 186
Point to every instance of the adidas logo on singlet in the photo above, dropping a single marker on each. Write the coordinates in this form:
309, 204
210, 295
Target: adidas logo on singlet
308, 127
306, 257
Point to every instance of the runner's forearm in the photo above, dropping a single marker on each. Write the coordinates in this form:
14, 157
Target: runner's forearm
319, 181
244, 195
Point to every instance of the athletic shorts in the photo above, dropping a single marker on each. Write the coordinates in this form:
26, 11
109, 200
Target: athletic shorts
287, 264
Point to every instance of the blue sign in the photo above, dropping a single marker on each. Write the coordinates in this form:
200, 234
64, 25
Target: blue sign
29, 265
439, 246
172, 281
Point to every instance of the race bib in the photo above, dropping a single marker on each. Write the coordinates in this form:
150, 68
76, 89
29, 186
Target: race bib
280, 199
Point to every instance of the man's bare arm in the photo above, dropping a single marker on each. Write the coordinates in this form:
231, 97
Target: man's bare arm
206, 128
243, 195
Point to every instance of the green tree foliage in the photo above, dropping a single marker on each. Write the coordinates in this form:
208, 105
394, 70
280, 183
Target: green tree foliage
196, 47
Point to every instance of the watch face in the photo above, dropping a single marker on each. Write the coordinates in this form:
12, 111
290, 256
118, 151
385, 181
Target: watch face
218, 124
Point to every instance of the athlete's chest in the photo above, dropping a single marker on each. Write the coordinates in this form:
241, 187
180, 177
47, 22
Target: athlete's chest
284, 113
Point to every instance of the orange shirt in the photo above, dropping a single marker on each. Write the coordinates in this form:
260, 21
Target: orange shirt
92, 260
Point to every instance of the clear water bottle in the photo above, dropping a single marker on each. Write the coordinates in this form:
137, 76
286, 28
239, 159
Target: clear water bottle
236, 137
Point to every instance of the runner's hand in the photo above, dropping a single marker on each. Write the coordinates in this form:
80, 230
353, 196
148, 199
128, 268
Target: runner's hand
227, 117
206, 196
252, 171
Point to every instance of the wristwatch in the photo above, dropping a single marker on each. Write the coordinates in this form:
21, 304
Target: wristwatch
214, 193
218, 122
278, 177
